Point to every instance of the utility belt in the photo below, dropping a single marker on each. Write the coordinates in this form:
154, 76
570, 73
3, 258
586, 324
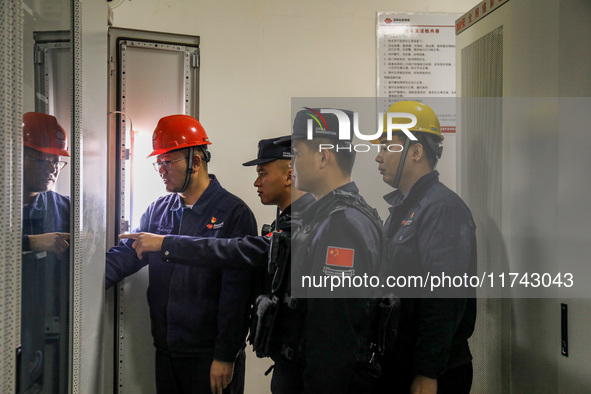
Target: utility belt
277, 321
278, 328
267, 343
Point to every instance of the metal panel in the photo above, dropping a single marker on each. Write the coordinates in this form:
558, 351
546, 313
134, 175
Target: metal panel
42, 307
544, 181
574, 184
144, 95
11, 101
89, 180
46, 282
49, 285
481, 186
169, 91
76, 265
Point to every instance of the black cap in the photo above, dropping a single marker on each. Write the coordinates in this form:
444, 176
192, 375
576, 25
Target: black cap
324, 125
269, 151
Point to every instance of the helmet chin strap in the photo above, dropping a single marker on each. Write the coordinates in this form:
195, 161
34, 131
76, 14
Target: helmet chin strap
401, 163
189, 170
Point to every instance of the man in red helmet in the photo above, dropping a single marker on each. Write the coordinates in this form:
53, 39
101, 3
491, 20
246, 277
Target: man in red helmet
46, 214
45, 231
199, 315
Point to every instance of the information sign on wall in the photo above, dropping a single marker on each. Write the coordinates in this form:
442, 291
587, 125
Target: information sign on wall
416, 58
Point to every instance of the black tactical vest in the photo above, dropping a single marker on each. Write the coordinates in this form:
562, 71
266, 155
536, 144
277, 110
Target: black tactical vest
279, 317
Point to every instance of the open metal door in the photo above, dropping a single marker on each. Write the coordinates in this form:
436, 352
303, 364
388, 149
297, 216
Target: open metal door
152, 75
45, 296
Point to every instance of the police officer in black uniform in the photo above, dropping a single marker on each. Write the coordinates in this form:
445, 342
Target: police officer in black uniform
324, 338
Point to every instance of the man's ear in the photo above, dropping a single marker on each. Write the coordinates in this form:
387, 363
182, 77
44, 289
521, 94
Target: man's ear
324, 157
417, 151
196, 162
288, 179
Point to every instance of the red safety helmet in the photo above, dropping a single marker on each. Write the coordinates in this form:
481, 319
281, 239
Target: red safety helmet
42, 132
177, 132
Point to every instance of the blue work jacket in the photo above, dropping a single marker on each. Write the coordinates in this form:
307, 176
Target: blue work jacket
49, 212
194, 311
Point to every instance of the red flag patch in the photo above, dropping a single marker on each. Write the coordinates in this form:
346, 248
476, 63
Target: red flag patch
340, 257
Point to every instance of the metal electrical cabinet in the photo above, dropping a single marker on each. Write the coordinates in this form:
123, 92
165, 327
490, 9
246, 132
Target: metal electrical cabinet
524, 77
45, 282
151, 75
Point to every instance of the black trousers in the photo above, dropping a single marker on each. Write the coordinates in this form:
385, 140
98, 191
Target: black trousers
190, 375
288, 379
454, 381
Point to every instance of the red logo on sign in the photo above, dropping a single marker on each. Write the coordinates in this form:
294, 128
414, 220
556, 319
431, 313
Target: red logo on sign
210, 226
340, 257
388, 20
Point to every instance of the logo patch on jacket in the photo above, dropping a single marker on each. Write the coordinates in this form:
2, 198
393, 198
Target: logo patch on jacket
213, 225
408, 222
340, 257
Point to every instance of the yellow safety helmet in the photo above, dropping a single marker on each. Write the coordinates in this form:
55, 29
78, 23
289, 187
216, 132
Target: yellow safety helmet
427, 121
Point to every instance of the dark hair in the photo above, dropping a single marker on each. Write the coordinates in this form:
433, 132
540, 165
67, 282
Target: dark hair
345, 154
205, 155
430, 144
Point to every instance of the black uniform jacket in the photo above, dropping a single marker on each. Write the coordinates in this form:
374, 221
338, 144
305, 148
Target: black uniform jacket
431, 232
335, 329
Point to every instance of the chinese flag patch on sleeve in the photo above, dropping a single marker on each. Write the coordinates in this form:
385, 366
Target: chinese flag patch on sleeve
340, 257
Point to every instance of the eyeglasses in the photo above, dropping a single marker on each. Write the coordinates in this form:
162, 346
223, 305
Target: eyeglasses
58, 165
165, 164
